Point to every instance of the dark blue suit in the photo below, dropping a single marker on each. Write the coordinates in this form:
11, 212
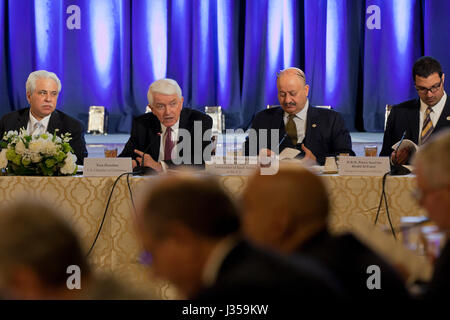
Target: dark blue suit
406, 117
326, 134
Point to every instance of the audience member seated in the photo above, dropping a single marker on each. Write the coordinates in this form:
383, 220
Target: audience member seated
195, 243
288, 212
316, 132
37, 247
432, 167
170, 135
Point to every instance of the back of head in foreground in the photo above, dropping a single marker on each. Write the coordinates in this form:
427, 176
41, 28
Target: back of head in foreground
190, 226
36, 248
284, 210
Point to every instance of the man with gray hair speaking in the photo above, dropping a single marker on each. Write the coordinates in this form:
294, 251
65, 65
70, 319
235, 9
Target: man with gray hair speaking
43, 88
169, 135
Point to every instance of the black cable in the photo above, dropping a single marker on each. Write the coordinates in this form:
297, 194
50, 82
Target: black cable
131, 194
106, 210
383, 196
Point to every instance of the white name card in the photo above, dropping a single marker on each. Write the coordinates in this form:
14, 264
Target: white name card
363, 166
106, 167
232, 166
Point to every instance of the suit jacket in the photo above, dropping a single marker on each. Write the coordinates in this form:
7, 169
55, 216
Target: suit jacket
326, 134
439, 285
348, 259
406, 117
249, 273
146, 130
58, 120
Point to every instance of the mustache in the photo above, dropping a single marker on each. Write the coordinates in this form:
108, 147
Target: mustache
290, 104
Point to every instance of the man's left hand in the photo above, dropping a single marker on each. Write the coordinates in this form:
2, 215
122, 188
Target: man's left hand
148, 161
308, 153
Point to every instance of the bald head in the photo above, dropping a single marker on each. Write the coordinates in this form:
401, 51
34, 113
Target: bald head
282, 209
292, 90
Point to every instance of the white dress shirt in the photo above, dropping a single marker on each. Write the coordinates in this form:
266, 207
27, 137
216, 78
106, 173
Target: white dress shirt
36, 127
300, 122
434, 115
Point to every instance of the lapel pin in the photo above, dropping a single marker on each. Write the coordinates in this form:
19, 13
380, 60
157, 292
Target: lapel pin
314, 125
448, 118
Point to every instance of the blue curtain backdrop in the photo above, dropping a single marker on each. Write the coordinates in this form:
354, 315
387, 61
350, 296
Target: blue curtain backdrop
221, 52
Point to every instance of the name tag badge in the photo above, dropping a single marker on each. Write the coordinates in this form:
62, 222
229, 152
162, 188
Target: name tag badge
106, 167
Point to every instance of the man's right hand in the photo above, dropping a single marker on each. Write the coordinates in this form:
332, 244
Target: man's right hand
401, 157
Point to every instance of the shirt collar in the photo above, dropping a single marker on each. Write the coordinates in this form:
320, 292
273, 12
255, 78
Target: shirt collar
302, 113
174, 127
216, 259
437, 108
44, 121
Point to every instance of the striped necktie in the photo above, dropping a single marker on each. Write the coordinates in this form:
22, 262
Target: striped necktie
291, 129
427, 127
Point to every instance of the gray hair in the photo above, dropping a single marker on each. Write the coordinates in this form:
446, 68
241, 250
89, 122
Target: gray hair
434, 159
163, 86
297, 71
39, 74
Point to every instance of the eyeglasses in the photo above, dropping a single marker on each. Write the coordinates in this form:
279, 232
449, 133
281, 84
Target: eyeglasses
433, 89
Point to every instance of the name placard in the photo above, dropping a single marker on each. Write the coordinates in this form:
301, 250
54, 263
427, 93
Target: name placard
232, 166
363, 166
106, 167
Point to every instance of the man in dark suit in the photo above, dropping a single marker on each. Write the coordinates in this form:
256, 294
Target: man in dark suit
316, 132
195, 243
432, 168
295, 223
418, 118
42, 88
169, 135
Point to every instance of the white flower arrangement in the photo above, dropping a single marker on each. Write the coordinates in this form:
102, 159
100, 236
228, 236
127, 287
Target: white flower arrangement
42, 155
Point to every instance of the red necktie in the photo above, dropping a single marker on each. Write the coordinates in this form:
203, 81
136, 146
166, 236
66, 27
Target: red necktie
168, 145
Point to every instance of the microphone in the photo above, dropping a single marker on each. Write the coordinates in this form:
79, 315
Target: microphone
140, 169
398, 169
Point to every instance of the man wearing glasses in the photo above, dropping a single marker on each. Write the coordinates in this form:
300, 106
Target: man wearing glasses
432, 168
418, 118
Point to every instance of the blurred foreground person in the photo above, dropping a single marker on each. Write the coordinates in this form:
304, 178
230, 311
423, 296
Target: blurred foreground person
191, 228
432, 167
289, 211
41, 258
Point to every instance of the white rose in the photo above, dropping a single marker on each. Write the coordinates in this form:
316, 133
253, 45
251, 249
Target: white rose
35, 146
49, 148
69, 164
3, 160
20, 147
35, 157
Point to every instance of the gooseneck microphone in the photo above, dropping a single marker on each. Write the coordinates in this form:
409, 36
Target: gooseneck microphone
140, 169
396, 168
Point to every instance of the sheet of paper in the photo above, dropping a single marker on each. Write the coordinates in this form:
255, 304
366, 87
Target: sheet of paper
406, 144
288, 153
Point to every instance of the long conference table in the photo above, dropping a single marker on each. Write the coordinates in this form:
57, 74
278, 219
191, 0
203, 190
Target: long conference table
83, 201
